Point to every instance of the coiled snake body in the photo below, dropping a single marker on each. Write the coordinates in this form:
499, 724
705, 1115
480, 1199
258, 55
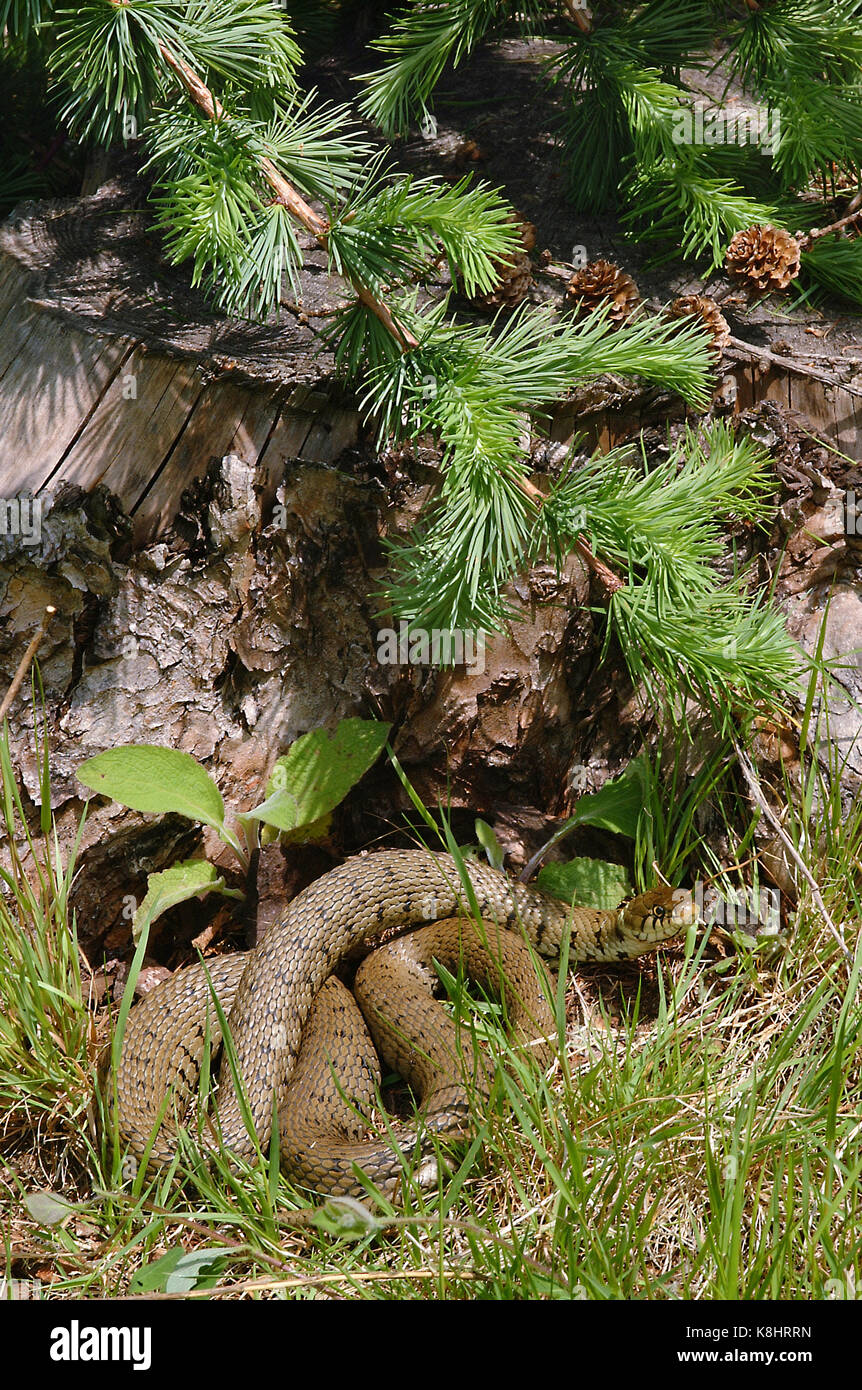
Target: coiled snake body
312, 1060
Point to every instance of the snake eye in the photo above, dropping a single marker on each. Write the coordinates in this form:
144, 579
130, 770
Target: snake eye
659, 911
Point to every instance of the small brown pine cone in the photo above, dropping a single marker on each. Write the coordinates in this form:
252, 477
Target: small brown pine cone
602, 282
702, 307
516, 273
765, 258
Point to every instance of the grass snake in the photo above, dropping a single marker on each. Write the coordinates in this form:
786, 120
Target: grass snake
300, 1043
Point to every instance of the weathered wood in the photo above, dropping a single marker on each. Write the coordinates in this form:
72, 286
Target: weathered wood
138, 420
848, 424
47, 394
225, 419
287, 439
113, 370
233, 644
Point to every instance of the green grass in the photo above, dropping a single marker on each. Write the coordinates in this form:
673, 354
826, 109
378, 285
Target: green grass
696, 1139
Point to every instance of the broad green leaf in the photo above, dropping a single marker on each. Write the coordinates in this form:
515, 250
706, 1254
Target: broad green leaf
490, 844
346, 1217
616, 806
197, 1269
318, 771
149, 778
152, 1277
179, 1271
588, 882
191, 878
48, 1208
303, 835
312, 830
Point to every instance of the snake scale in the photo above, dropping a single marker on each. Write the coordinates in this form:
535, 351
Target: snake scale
299, 1039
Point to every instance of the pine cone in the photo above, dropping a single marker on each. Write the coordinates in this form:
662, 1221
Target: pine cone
516, 273
602, 282
766, 258
702, 307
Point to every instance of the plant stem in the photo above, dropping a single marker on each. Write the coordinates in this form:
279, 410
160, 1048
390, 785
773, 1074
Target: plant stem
756, 791
740, 350
579, 14
609, 581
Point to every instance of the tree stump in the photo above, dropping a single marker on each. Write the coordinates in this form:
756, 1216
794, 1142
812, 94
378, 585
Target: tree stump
211, 528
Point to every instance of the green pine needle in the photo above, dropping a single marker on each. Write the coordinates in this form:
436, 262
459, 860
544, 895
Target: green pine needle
837, 266
680, 201
821, 126
420, 44
683, 632
817, 36
109, 55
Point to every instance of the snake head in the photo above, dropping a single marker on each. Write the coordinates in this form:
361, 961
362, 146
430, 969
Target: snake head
658, 915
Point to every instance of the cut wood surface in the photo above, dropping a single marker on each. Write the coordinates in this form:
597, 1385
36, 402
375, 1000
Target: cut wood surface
113, 371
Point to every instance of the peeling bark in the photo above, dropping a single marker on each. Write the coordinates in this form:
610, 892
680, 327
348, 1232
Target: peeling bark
232, 645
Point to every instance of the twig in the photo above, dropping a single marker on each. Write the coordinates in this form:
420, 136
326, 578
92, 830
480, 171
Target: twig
579, 14
24, 663
754, 787
301, 1282
830, 357
561, 271
609, 581
816, 232
740, 350
325, 311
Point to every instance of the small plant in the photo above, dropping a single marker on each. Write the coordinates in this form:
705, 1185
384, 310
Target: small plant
303, 789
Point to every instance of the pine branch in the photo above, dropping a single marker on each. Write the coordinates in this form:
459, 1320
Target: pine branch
422, 41
837, 266
286, 194
802, 36
821, 126
683, 634
111, 55
816, 233
470, 388
682, 202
